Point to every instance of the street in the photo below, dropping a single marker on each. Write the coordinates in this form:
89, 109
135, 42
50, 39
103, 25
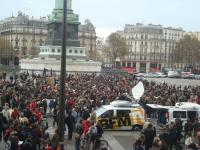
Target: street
173, 81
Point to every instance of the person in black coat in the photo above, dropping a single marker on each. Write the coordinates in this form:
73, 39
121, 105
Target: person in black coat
149, 134
138, 144
3, 124
165, 136
69, 122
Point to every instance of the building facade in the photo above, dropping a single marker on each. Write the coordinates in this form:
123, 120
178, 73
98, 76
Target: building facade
194, 35
87, 37
171, 37
150, 47
24, 33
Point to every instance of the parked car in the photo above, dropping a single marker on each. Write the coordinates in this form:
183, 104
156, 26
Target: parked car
161, 75
155, 75
139, 74
197, 76
174, 74
187, 75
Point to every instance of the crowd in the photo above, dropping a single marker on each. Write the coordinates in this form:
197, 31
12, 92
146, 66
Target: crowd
174, 136
23, 101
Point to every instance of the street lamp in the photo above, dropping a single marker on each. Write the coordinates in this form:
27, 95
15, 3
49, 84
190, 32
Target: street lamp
61, 124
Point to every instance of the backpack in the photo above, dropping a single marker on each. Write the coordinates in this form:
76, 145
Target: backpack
99, 130
93, 132
51, 104
14, 143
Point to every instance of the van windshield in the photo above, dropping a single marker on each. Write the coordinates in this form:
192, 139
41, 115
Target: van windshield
100, 111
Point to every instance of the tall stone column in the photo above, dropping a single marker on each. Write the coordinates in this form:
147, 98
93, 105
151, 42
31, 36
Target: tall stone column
59, 4
69, 4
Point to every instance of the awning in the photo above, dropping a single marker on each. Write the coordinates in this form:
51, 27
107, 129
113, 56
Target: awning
155, 70
128, 69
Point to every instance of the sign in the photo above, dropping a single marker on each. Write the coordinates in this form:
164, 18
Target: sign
50, 81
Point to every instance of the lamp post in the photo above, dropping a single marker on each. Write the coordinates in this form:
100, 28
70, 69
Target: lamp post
62, 80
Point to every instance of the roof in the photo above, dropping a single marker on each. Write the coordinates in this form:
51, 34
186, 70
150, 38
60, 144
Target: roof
155, 106
110, 107
179, 106
188, 105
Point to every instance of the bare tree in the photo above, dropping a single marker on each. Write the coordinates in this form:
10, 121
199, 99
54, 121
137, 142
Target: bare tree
116, 46
187, 51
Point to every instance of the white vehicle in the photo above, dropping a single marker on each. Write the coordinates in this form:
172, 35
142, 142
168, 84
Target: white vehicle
123, 113
161, 75
120, 114
155, 75
167, 114
174, 74
187, 75
196, 76
151, 75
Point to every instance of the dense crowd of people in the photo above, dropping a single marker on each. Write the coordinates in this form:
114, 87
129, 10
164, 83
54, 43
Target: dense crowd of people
24, 107
174, 136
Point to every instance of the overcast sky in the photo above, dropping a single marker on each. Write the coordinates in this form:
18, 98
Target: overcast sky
111, 15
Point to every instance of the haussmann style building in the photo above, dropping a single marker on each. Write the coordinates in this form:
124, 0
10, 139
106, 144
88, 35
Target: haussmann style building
24, 34
150, 47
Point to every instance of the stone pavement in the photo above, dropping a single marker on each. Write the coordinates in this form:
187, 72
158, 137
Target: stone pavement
70, 144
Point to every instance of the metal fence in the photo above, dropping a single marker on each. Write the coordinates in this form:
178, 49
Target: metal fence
17, 70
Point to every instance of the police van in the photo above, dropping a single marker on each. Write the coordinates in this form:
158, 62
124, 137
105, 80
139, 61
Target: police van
120, 114
184, 111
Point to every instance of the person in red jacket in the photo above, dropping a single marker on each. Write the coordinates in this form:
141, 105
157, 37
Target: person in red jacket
33, 105
39, 117
86, 126
15, 114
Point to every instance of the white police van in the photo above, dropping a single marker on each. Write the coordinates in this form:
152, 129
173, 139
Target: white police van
184, 110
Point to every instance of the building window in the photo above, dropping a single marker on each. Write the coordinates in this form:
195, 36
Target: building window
81, 51
76, 51
123, 113
129, 64
70, 51
123, 64
53, 50
58, 50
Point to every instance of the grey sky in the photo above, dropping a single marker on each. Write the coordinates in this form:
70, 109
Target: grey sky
111, 15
